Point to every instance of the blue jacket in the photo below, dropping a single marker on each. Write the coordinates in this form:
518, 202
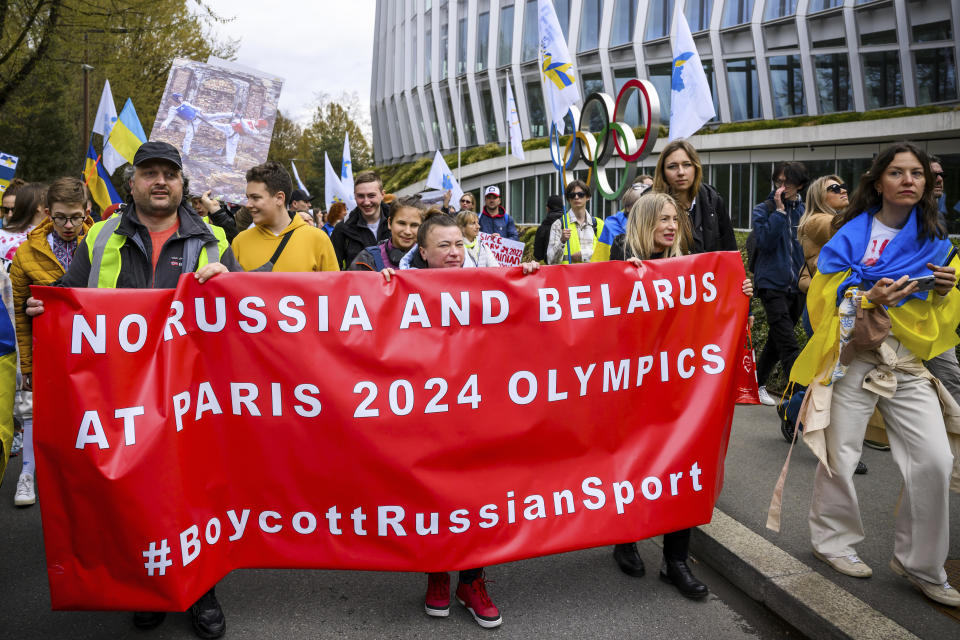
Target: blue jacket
501, 225
779, 254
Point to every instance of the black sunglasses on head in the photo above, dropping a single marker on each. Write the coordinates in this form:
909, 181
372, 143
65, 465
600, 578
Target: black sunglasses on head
837, 188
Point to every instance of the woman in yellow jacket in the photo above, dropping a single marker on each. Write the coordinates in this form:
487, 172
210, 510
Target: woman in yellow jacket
42, 259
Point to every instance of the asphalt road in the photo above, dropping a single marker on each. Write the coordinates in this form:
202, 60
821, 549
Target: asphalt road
754, 459
575, 595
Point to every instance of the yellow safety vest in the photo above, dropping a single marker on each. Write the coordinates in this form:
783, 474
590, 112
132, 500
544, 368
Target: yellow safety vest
575, 236
103, 248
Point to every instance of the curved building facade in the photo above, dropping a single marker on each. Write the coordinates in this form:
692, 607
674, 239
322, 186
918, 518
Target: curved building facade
440, 66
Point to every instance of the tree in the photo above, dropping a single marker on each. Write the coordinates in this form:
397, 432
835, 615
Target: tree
131, 42
332, 121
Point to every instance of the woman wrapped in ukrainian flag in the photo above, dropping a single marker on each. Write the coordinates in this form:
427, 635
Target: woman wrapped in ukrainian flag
891, 250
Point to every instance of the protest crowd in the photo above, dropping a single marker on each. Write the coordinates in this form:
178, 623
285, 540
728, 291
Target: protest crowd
841, 252
862, 263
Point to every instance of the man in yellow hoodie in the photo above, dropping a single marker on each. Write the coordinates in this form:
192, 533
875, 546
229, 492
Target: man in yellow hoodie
277, 242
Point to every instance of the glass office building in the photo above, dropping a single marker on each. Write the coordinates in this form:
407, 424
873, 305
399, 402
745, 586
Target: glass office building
439, 71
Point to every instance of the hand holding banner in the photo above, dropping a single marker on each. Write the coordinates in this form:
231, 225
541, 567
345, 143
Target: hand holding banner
609, 424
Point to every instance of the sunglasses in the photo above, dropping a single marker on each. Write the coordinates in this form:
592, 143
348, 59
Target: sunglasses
938, 174
577, 194
6, 210
837, 188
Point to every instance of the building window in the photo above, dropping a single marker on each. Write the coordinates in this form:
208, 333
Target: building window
658, 19
453, 135
708, 71
593, 83
590, 25
832, 72
562, 7
624, 17
415, 57
698, 14
661, 75
417, 110
743, 88
823, 5
483, 32
737, 12
786, 84
779, 9
461, 37
466, 115
427, 47
632, 110
535, 110
505, 40
486, 99
434, 121
530, 34
883, 86
932, 31
444, 40
936, 75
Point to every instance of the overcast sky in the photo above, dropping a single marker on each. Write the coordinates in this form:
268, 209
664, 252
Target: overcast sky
314, 45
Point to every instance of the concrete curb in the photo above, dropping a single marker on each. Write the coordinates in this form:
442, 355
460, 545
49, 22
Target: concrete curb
811, 603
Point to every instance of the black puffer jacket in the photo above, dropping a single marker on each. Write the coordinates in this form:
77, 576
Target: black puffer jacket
136, 254
352, 236
712, 230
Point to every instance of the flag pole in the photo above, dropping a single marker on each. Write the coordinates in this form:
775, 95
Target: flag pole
459, 132
506, 122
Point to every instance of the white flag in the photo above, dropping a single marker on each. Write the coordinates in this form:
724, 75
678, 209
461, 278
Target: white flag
691, 104
442, 178
513, 119
296, 176
346, 166
333, 190
103, 124
560, 88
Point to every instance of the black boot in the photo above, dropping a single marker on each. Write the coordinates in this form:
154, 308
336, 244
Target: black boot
207, 616
148, 619
629, 560
677, 573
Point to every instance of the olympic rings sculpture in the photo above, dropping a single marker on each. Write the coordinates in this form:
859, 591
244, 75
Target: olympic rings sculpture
595, 149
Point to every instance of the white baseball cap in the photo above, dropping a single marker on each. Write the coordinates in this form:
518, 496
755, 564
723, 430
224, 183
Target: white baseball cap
491, 190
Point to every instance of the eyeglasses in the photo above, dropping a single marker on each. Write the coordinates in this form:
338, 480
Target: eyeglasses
577, 195
75, 221
837, 188
6, 210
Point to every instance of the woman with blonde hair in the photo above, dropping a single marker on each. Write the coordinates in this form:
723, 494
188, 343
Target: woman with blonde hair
658, 227
826, 199
679, 174
469, 224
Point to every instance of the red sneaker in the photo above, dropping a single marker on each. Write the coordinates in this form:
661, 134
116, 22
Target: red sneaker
474, 597
437, 602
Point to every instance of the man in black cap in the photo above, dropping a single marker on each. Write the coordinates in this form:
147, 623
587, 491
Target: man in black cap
161, 239
300, 205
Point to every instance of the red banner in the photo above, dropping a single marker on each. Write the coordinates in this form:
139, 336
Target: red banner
446, 420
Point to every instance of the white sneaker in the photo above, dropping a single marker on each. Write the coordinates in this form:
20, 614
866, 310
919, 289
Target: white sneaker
25, 495
850, 565
942, 593
765, 397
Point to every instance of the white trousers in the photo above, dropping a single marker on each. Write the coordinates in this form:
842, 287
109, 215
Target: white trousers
920, 449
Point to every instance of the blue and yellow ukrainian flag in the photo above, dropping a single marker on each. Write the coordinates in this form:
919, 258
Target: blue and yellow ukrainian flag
8, 371
8, 168
127, 134
98, 181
